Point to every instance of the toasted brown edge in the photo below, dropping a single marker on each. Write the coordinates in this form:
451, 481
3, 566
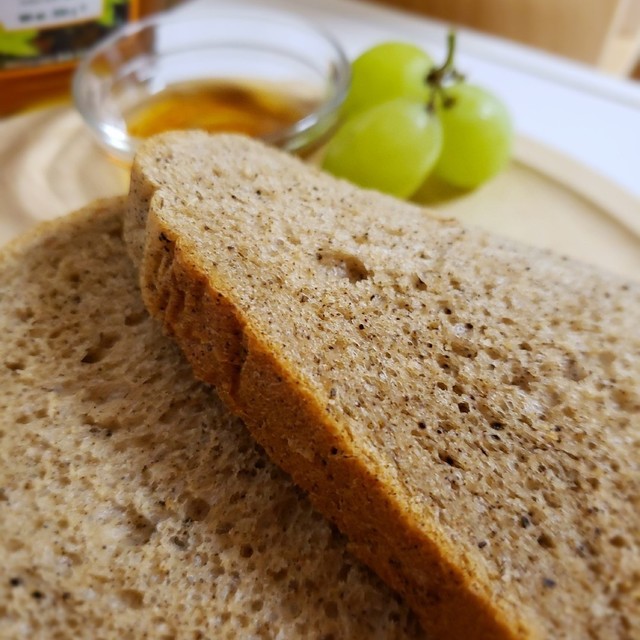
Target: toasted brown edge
283, 415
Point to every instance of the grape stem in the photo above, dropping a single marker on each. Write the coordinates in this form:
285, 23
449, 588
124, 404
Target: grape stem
440, 77
451, 51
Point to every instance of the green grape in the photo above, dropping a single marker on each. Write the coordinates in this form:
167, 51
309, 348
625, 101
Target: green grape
391, 147
477, 136
387, 71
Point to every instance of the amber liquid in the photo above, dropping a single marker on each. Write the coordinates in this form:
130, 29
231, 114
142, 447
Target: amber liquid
48, 83
256, 109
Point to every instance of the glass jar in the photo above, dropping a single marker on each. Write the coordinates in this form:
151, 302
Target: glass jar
42, 40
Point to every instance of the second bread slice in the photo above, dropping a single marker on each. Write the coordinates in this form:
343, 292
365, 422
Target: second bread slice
132, 504
465, 409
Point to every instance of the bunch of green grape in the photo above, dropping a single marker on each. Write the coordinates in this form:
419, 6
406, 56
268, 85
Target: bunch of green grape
404, 119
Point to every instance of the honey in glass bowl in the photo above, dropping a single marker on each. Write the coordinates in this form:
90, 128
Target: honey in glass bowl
257, 109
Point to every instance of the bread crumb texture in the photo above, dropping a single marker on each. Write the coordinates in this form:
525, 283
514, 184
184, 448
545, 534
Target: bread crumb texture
131, 504
487, 395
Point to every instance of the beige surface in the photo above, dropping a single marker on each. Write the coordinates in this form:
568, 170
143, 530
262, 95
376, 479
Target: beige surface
51, 165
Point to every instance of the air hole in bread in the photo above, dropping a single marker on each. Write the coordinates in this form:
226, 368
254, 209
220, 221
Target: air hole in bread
294, 586
280, 575
98, 352
626, 398
526, 420
140, 528
420, 438
445, 426
419, 284
607, 358
340, 264
236, 497
574, 370
257, 605
521, 378
533, 483
447, 458
494, 353
623, 618
552, 499
180, 541
331, 609
173, 411
196, 509
24, 314
463, 348
135, 318
618, 541
594, 483
131, 598
546, 541
41, 412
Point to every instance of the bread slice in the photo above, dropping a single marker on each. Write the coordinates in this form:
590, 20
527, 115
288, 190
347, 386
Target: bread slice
464, 408
132, 505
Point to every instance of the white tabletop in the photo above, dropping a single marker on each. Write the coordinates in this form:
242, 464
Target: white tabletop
592, 118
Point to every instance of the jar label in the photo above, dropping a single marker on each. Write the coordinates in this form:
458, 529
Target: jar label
32, 14
42, 32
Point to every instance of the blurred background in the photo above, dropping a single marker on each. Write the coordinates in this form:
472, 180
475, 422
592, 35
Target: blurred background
601, 33
604, 34
567, 70
41, 40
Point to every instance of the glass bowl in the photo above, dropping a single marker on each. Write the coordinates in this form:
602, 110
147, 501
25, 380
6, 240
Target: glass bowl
145, 58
